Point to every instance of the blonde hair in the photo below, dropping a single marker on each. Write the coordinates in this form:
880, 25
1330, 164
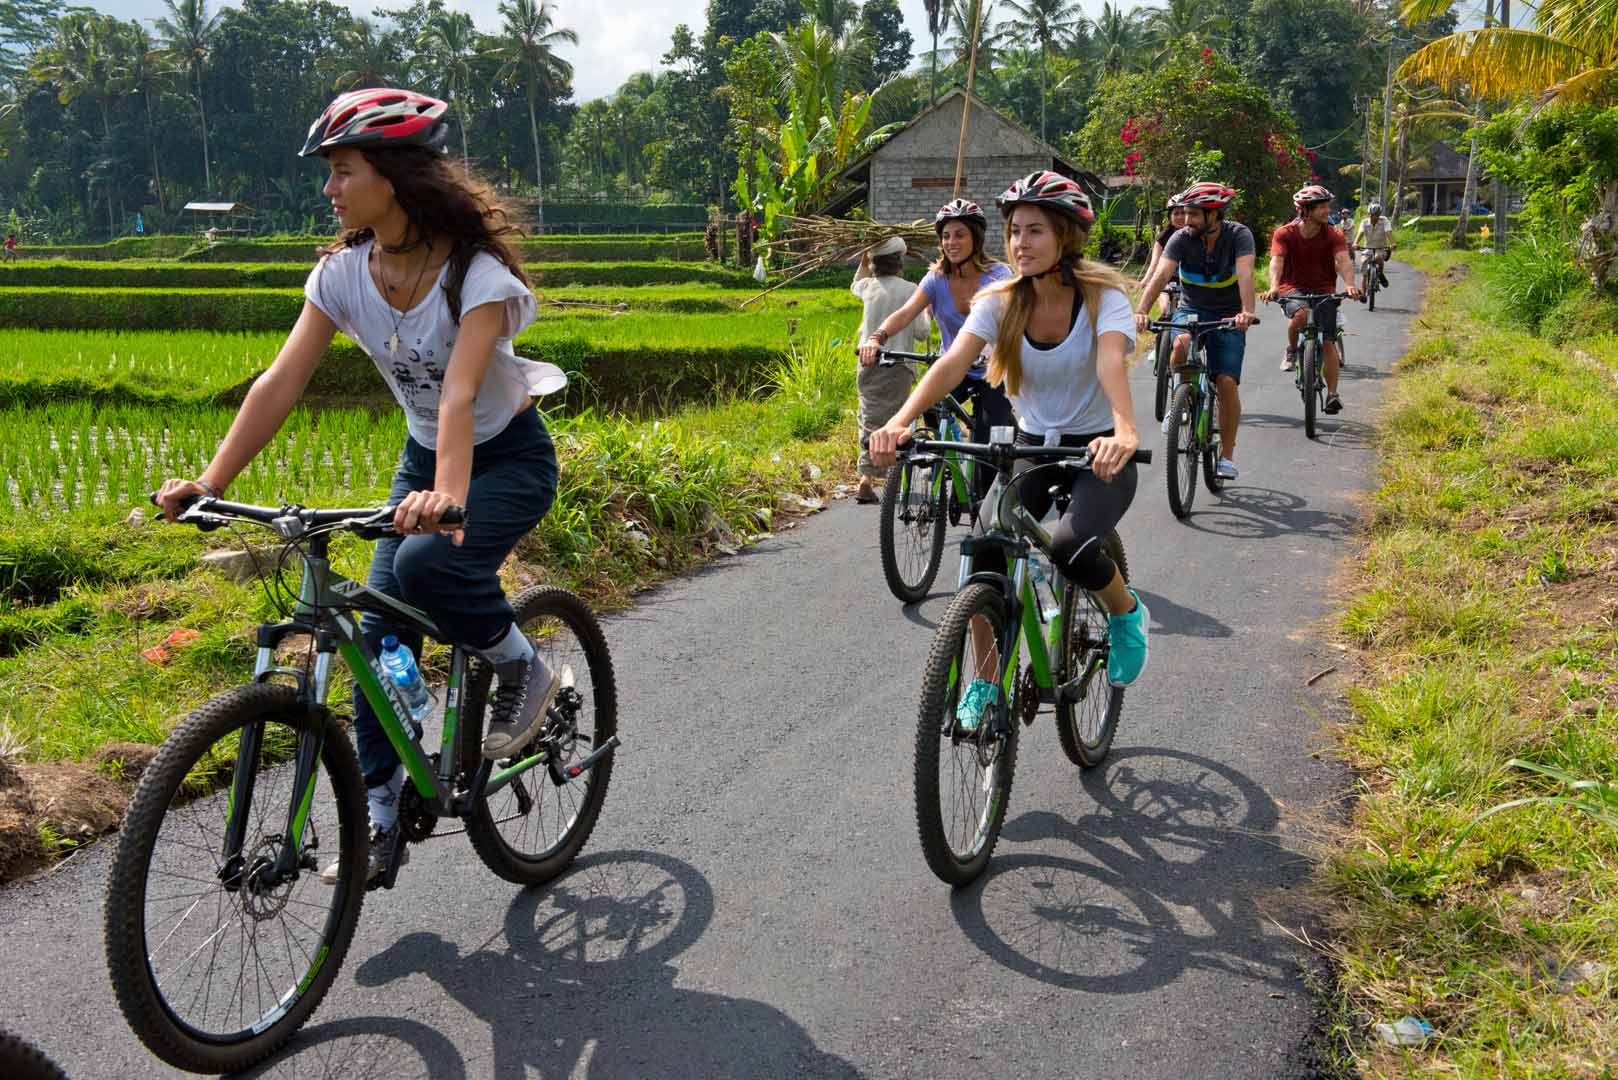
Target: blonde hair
979, 259
1092, 278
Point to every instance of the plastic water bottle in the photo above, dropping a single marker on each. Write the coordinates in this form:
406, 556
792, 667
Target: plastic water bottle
1044, 592
400, 663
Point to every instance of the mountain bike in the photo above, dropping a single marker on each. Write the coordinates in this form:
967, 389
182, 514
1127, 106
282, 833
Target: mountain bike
221, 937
963, 778
1369, 282
1163, 351
922, 495
1193, 433
1309, 377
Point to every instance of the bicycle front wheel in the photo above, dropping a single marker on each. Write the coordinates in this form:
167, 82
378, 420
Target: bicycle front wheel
1087, 710
1183, 448
1370, 287
22, 1060
963, 779
215, 956
911, 530
530, 830
1308, 376
1160, 365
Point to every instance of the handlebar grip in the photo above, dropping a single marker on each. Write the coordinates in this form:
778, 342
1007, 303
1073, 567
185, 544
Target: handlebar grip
1142, 457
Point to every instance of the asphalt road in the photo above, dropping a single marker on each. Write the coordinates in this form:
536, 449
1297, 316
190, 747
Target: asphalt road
754, 903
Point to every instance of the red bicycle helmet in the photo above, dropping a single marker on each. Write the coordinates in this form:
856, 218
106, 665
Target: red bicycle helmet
959, 210
1308, 196
378, 116
1048, 189
1207, 195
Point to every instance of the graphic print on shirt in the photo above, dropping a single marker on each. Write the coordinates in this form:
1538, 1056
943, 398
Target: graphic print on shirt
419, 379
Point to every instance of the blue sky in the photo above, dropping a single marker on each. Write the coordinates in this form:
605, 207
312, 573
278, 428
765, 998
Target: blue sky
615, 40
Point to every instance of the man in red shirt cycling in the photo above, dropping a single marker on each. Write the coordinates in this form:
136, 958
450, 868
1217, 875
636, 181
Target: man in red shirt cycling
1308, 256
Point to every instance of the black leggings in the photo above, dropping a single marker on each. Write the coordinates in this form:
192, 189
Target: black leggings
991, 408
1077, 538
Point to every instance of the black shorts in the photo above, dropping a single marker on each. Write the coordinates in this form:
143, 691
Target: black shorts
1325, 315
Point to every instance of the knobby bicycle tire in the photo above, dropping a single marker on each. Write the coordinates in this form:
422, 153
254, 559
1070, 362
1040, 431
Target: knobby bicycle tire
176, 783
936, 736
1161, 357
1370, 287
507, 858
1182, 449
1084, 646
1308, 375
22, 1060
1210, 450
924, 536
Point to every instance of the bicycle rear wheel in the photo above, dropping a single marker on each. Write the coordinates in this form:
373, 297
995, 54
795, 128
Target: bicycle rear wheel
1085, 724
1160, 365
1182, 450
529, 831
963, 780
910, 533
22, 1060
215, 961
1210, 448
1370, 287
1308, 376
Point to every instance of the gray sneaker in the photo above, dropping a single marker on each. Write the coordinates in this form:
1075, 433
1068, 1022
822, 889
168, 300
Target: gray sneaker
527, 689
381, 850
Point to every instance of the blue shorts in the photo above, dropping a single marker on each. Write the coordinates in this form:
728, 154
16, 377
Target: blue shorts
1223, 349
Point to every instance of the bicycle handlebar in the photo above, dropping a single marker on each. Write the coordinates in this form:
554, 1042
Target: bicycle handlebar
1310, 298
1011, 451
889, 357
371, 522
1162, 325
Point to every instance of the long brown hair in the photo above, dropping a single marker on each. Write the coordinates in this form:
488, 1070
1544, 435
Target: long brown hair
1090, 278
443, 202
978, 260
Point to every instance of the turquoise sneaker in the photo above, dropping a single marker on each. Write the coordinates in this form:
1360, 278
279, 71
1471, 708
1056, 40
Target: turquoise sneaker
1126, 645
978, 697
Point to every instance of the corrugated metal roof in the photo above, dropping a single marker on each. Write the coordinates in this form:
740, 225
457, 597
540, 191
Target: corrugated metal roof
220, 207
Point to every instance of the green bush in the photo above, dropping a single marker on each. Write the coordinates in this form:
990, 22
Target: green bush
587, 213
1533, 277
150, 309
155, 275
681, 247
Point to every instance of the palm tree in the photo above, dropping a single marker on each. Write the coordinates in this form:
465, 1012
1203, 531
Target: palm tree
449, 42
1043, 23
936, 18
362, 58
79, 59
189, 34
146, 70
1182, 23
816, 66
969, 18
1113, 36
526, 52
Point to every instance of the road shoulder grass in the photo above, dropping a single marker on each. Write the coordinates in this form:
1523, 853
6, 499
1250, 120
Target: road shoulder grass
1484, 612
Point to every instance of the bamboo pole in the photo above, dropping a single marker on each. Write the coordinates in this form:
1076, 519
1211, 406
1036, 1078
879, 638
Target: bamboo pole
966, 103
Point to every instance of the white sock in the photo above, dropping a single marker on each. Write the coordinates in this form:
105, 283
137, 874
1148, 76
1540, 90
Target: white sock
383, 800
509, 649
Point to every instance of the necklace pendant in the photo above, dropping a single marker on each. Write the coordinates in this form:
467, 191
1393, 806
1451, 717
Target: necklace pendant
393, 344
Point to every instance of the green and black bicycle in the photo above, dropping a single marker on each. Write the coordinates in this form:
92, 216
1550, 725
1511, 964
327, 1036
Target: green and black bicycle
221, 937
923, 495
963, 778
1163, 352
1310, 377
1193, 431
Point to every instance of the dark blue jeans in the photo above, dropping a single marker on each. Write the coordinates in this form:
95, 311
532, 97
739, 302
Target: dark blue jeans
513, 486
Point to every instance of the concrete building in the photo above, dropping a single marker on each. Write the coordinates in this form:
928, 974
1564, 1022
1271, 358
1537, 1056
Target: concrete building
912, 174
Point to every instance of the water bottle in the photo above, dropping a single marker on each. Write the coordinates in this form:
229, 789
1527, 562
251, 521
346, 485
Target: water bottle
400, 663
1044, 591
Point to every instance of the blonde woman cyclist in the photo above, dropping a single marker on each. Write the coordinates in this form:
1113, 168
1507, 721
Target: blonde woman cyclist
1059, 331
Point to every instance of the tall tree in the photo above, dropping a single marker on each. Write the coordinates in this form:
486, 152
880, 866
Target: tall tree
189, 34
80, 60
1043, 24
1113, 37
147, 70
883, 28
448, 42
363, 57
527, 49
1183, 24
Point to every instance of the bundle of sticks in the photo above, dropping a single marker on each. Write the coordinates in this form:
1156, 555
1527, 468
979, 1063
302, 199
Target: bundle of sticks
815, 243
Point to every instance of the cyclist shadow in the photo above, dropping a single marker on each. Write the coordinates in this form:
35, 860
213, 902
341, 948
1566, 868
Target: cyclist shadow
1255, 513
1173, 872
361, 1046
583, 985
1331, 431
1179, 620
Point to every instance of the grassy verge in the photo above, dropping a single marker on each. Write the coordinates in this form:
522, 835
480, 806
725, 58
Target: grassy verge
1484, 606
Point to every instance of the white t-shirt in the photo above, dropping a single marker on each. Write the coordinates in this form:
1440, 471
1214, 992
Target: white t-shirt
1374, 233
341, 286
883, 296
1060, 393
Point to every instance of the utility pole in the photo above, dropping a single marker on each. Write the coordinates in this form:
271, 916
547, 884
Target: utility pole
1387, 130
1499, 185
1365, 104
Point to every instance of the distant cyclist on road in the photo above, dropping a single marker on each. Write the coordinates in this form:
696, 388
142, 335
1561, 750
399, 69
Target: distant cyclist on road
1059, 330
1214, 260
1375, 232
962, 271
1308, 256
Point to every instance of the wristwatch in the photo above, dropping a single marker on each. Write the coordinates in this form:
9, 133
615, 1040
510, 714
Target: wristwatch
880, 336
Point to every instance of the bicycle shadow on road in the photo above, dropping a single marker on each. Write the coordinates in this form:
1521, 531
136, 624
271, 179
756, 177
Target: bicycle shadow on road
1255, 513
1178, 620
1178, 869
579, 982
1331, 431
363, 1047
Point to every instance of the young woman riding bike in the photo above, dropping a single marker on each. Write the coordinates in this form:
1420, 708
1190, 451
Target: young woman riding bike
424, 281
962, 271
1060, 330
